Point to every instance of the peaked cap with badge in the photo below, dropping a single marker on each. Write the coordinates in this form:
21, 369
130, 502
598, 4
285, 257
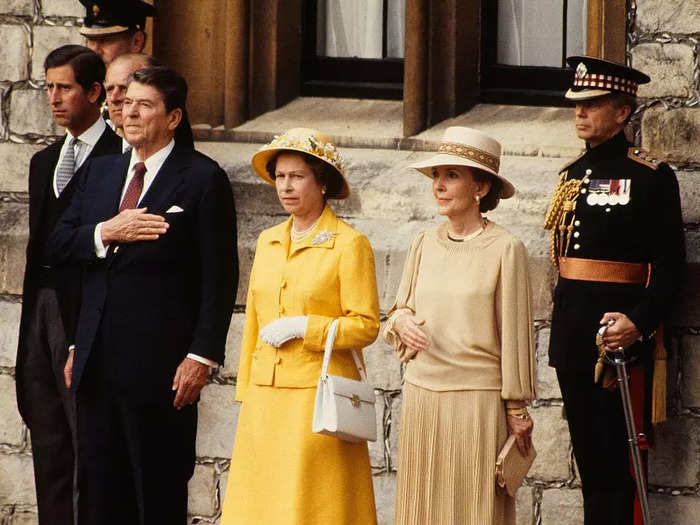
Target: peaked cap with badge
618, 245
595, 77
112, 17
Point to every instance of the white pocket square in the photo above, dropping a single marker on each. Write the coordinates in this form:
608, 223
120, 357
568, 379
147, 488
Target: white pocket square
175, 209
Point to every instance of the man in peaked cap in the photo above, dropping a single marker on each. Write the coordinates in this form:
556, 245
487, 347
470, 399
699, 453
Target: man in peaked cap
115, 27
617, 242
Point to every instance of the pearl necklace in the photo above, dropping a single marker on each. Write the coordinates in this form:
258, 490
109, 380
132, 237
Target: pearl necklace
300, 235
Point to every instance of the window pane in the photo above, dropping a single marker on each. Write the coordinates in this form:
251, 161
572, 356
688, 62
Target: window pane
530, 32
396, 28
350, 28
576, 27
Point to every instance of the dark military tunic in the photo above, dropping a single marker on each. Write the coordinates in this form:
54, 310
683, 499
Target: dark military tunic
628, 210
641, 223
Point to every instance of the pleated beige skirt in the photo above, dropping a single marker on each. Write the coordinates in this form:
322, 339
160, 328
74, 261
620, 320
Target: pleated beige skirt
448, 445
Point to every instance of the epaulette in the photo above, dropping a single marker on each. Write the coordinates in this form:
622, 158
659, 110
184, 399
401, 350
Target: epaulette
643, 157
572, 162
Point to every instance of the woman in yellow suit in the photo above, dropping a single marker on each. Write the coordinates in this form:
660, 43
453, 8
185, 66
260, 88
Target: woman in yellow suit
307, 271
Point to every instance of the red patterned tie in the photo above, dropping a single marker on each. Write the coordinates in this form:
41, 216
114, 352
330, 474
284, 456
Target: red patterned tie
133, 192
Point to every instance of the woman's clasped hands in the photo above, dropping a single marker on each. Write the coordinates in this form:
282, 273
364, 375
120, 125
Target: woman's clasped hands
408, 329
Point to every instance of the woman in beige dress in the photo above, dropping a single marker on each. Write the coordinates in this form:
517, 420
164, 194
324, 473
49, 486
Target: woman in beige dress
462, 324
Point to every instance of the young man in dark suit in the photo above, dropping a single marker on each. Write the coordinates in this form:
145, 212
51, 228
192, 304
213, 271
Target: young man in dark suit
51, 294
155, 230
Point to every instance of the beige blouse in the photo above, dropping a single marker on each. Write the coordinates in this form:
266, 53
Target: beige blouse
475, 299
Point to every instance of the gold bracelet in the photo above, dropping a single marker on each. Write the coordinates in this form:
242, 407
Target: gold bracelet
520, 413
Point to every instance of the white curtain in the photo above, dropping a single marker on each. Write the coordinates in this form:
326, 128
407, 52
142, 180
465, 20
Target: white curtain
396, 28
353, 28
576, 23
530, 31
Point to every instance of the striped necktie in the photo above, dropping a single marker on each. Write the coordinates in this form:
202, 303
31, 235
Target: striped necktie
67, 167
133, 191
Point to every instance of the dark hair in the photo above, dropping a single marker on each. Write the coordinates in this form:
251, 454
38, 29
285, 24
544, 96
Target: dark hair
87, 66
325, 174
493, 197
619, 99
173, 88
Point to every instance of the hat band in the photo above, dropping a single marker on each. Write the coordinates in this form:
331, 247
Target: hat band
471, 153
324, 150
607, 82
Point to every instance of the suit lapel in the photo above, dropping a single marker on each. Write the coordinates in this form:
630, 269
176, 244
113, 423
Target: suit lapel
112, 185
108, 144
166, 181
114, 182
45, 180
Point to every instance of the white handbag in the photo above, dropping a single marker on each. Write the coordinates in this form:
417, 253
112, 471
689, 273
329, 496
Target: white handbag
344, 407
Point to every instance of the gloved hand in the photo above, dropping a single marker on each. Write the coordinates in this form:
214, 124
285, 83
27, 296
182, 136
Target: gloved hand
284, 329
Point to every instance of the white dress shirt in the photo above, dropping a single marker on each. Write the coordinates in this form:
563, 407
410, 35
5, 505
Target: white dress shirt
81, 149
153, 165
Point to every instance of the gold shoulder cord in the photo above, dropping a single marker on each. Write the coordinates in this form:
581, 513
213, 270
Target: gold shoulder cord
562, 207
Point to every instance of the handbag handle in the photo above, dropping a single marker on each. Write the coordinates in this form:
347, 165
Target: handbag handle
330, 341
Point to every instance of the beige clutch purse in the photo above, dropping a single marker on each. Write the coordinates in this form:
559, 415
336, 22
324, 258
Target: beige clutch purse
512, 467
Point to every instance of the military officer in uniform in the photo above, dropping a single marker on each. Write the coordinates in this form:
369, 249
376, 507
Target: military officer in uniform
115, 27
617, 242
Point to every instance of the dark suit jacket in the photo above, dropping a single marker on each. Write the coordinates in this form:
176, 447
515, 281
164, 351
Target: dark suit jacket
148, 304
41, 172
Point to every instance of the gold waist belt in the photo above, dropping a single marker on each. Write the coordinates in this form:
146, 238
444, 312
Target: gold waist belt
604, 271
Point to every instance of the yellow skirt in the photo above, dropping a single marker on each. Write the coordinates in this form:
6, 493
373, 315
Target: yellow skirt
283, 474
448, 445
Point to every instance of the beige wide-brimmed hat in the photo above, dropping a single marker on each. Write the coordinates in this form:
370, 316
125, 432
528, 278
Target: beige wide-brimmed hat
462, 146
305, 140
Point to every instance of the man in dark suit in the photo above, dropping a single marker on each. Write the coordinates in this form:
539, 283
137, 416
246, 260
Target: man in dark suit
618, 246
155, 230
50, 298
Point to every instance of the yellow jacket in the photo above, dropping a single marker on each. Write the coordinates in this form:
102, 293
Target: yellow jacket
328, 275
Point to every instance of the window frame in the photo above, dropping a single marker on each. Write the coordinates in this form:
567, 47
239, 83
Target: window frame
347, 77
506, 84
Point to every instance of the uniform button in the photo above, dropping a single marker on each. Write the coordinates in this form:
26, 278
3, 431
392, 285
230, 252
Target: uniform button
281, 309
577, 235
577, 223
284, 284
607, 210
589, 171
577, 246
583, 190
636, 152
279, 360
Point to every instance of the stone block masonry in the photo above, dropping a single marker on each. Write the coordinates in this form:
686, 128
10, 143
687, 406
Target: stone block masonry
390, 205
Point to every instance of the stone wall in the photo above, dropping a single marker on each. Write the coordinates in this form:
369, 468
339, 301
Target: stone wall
663, 41
390, 204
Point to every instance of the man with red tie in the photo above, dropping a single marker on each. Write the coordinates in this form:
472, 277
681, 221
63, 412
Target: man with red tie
155, 231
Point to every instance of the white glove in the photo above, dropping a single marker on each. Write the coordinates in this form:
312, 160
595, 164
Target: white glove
284, 329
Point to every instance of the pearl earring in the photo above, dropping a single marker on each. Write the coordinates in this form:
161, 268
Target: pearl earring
477, 199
